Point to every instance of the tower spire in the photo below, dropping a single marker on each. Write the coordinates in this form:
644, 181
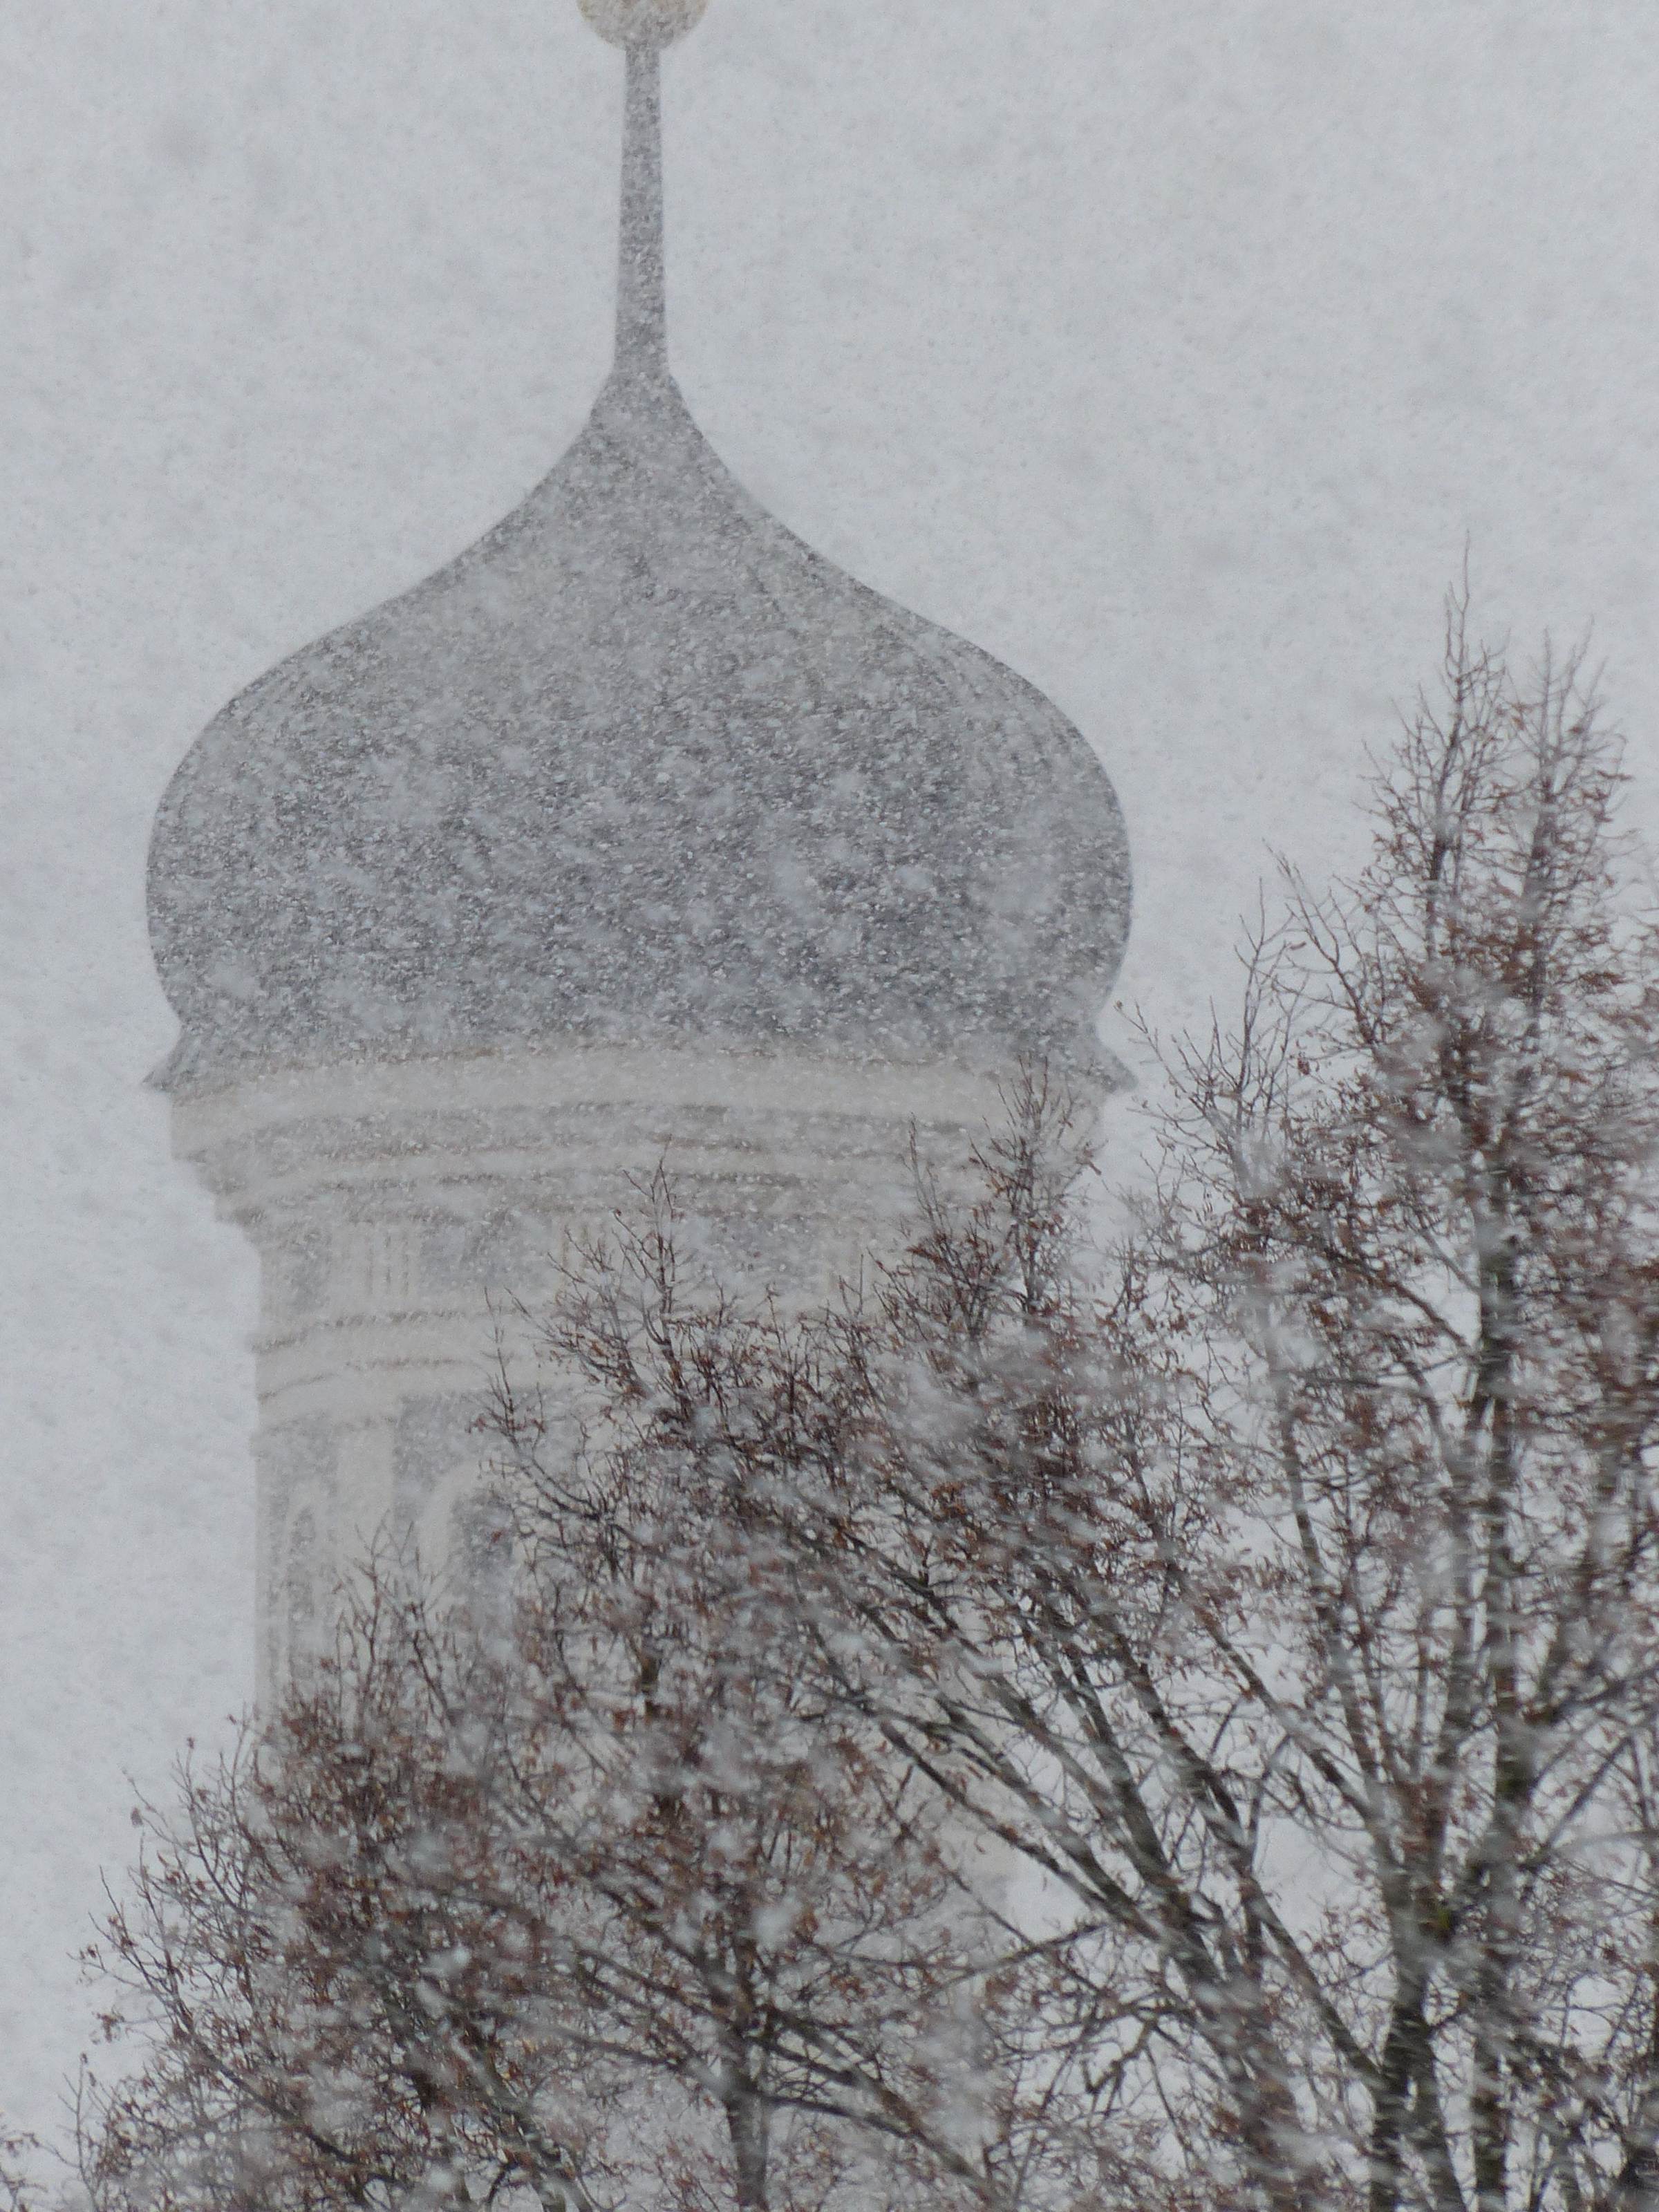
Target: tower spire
642, 309
643, 28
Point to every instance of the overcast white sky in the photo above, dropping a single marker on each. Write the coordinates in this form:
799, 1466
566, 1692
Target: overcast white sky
1169, 352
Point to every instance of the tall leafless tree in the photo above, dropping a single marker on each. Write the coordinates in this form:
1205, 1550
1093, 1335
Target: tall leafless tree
1288, 1609
575, 1887
1172, 1727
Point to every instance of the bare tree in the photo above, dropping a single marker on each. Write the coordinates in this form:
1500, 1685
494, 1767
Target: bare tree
17, 2192
765, 1912
581, 1890
330, 1989
1176, 1728
1284, 1610
1413, 1218
1288, 1609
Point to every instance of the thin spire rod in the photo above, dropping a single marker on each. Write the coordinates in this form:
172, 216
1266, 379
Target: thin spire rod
642, 309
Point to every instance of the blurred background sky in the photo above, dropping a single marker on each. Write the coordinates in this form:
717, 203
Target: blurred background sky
1171, 353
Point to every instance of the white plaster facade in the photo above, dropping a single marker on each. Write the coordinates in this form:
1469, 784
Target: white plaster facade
399, 1208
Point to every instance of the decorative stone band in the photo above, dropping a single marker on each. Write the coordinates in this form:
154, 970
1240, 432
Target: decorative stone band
401, 1208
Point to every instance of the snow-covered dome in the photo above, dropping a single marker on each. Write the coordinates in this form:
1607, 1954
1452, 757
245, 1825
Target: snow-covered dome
638, 765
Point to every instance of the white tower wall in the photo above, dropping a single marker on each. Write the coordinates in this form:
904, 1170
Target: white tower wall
400, 1207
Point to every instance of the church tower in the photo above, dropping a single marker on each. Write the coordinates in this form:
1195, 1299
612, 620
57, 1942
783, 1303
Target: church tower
639, 827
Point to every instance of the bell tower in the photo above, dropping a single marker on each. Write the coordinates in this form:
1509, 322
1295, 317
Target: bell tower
638, 828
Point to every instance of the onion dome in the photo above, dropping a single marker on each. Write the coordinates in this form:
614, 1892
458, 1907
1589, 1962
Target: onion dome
638, 766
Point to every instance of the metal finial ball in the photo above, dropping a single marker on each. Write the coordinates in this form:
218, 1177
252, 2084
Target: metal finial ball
643, 22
